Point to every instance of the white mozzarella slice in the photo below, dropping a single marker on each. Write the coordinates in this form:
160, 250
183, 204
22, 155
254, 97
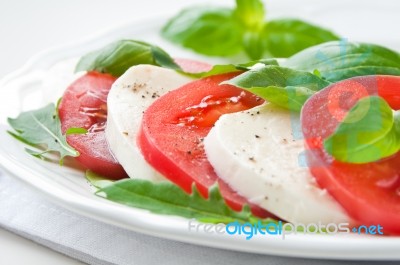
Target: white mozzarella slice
129, 97
255, 153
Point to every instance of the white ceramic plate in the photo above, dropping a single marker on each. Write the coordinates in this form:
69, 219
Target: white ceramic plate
29, 88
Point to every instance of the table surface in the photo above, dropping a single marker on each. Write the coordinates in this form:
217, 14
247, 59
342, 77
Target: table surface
27, 27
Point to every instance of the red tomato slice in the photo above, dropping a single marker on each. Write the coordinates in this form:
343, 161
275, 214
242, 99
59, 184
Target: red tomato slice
369, 192
174, 126
84, 105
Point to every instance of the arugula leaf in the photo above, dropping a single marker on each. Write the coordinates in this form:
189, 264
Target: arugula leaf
42, 129
118, 56
340, 60
167, 198
282, 86
285, 37
206, 30
369, 132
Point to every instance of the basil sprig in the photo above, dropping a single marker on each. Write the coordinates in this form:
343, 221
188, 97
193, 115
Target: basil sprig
279, 85
218, 31
369, 132
118, 56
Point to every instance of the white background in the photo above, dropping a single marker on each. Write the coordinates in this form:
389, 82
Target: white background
27, 27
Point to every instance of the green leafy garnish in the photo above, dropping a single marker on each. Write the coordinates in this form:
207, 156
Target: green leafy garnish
369, 132
118, 56
168, 199
282, 86
251, 13
218, 31
285, 37
340, 60
206, 30
42, 129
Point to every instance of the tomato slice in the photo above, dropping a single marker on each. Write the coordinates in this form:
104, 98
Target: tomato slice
84, 105
369, 192
174, 126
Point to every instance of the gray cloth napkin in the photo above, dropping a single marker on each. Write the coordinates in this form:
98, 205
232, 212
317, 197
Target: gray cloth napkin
26, 212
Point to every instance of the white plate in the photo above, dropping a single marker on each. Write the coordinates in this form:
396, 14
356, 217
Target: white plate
29, 88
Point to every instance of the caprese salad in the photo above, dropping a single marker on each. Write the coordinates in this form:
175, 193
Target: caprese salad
303, 139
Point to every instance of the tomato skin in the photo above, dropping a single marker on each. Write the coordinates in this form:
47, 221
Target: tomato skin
174, 126
84, 105
370, 192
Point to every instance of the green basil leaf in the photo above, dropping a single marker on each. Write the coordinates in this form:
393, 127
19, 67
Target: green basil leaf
282, 86
206, 30
290, 97
251, 64
163, 59
285, 37
369, 132
340, 60
253, 45
167, 198
42, 129
117, 57
250, 12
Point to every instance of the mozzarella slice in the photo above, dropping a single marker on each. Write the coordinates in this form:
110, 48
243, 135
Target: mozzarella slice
255, 153
129, 97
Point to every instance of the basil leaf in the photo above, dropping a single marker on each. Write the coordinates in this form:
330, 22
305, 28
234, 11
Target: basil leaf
285, 37
163, 59
226, 32
368, 133
282, 86
206, 30
252, 64
42, 129
167, 198
340, 60
253, 45
117, 57
250, 12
